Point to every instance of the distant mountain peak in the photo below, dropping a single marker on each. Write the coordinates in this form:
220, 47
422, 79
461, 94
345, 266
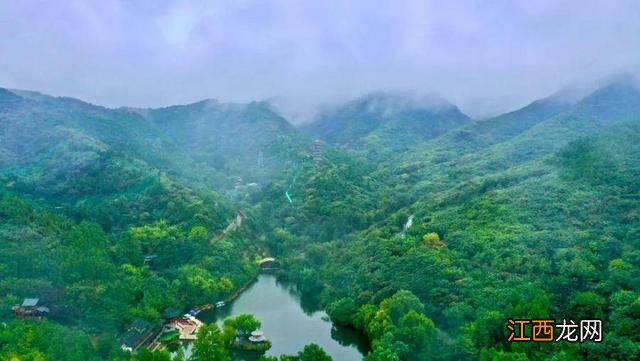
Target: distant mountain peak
8, 97
212, 104
5, 92
385, 101
620, 88
624, 79
616, 100
382, 123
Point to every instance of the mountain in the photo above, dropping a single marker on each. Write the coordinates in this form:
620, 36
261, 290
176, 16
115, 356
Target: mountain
533, 213
103, 216
209, 142
50, 145
423, 229
250, 141
381, 124
492, 145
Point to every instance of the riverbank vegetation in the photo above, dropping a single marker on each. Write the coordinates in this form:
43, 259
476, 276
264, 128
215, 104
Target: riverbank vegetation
310, 352
241, 328
112, 216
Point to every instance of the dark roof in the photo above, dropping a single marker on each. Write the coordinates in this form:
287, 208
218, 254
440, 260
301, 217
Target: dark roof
136, 333
171, 312
30, 302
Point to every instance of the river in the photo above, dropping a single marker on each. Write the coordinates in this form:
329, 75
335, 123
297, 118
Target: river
290, 322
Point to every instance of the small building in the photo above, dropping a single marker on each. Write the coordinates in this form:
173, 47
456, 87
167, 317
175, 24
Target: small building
238, 183
30, 303
187, 327
260, 159
137, 335
268, 263
171, 312
257, 336
30, 307
317, 150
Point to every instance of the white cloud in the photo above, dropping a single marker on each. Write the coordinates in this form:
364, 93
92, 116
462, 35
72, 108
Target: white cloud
485, 56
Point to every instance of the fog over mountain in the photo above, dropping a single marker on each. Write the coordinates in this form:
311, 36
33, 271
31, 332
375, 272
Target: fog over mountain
486, 58
347, 181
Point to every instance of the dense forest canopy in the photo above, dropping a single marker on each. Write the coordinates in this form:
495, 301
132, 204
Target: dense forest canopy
418, 226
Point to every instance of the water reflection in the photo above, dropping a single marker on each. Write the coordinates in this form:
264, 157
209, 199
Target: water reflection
349, 337
290, 321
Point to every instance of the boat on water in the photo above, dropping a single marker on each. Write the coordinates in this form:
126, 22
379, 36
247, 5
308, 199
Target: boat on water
220, 304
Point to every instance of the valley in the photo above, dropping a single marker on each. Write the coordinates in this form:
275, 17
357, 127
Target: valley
418, 230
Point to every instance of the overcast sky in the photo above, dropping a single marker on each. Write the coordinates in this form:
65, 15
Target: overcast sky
485, 56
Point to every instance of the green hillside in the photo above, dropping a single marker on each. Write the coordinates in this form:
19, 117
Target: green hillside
249, 141
534, 216
87, 194
489, 146
417, 226
380, 125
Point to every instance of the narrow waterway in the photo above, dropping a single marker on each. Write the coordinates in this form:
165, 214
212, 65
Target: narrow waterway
289, 322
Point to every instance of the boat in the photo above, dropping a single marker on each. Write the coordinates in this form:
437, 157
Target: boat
220, 304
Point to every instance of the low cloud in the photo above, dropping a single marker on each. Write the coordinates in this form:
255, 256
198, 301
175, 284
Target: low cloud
486, 57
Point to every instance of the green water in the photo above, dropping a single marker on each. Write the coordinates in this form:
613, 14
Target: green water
290, 322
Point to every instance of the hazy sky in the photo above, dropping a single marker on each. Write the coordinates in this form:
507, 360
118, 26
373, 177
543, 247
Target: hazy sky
485, 56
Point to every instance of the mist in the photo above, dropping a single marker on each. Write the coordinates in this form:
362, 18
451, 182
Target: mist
485, 57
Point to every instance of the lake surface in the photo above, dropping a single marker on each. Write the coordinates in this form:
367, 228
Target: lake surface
290, 322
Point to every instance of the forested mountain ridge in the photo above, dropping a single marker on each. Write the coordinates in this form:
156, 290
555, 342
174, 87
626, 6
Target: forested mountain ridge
381, 124
533, 213
243, 140
207, 140
530, 208
88, 194
495, 144
52, 140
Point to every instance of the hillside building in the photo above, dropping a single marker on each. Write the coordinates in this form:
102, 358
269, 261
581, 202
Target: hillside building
137, 335
30, 307
317, 150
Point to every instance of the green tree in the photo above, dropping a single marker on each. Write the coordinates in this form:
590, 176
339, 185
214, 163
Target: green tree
382, 351
366, 313
343, 310
146, 355
211, 345
419, 333
400, 304
587, 305
431, 239
313, 352
198, 234
243, 324
179, 356
498, 355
